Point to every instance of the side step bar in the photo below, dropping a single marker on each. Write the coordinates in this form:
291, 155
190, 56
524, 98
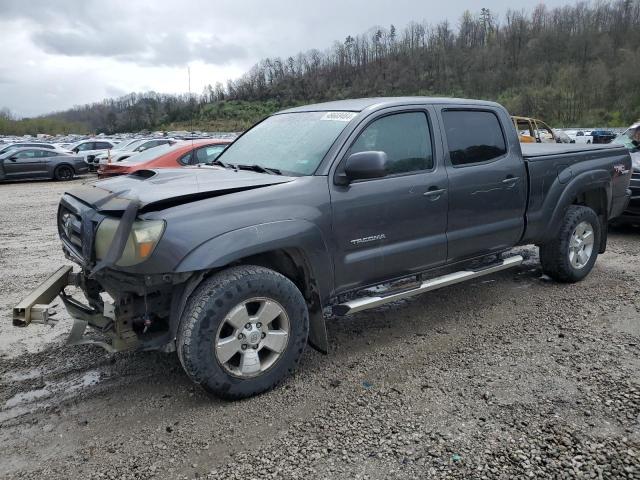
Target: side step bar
365, 303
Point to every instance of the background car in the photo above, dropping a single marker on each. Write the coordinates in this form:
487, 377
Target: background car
31, 162
121, 146
48, 146
532, 130
88, 149
580, 136
133, 148
181, 154
630, 138
602, 136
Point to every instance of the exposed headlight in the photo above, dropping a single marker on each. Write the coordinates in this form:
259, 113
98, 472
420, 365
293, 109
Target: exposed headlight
635, 162
144, 236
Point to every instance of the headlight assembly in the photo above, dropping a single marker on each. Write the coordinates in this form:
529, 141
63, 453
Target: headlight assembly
143, 238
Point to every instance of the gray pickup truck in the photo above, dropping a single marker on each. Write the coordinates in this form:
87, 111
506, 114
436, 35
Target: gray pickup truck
341, 206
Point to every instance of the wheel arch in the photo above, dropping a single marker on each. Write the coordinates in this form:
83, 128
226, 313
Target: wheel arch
591, 189
293, 248
598, 200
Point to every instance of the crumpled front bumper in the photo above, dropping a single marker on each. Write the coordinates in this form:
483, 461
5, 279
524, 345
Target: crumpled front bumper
35, 308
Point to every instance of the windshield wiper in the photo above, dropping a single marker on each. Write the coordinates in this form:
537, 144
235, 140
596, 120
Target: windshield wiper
220, 163
258, 168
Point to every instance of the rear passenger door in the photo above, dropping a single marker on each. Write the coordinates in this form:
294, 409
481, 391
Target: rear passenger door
487, 182
393, 226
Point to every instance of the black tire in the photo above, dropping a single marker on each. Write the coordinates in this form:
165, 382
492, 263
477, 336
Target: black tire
206, 311
554, 255
63, 172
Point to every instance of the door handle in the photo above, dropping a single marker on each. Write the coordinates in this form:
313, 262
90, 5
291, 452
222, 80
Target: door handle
510, 180
434, 193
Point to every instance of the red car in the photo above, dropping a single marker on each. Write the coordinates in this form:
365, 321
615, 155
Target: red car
181, 154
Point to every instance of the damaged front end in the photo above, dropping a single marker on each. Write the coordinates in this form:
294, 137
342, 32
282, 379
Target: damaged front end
127, 255
128, 311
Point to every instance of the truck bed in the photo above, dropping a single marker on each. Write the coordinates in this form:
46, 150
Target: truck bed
533, 151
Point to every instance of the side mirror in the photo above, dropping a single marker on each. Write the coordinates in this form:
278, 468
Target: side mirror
75, 150
362, 166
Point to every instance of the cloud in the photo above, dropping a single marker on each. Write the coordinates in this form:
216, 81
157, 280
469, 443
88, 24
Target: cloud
120, 46
170, 49
109, 44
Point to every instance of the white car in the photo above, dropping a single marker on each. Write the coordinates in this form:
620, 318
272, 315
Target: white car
88, 149
137, 146
580, 136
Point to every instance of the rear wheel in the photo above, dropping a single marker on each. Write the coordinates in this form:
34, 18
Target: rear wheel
243, 330
571, 255
63, 172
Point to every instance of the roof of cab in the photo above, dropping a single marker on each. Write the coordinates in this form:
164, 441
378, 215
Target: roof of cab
360, 104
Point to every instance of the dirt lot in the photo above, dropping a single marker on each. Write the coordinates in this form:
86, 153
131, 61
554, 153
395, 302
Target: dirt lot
510, 376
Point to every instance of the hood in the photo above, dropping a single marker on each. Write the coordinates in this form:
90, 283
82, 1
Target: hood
163, 188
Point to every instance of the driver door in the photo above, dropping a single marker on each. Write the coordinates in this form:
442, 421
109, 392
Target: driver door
23, 164
394, 226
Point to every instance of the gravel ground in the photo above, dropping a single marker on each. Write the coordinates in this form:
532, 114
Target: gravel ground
511, 376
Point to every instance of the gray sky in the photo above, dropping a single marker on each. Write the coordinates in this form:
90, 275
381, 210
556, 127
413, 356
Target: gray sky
56, 54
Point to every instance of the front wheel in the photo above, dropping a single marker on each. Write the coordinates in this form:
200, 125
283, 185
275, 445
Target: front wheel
243, 330
63, 172
571, 255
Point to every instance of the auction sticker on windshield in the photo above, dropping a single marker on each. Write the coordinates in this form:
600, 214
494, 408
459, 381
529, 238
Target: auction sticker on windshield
339, 116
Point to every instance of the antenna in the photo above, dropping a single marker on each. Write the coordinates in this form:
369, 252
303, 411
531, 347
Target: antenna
192, 112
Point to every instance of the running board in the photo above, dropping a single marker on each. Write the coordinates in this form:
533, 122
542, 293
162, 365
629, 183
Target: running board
365, 303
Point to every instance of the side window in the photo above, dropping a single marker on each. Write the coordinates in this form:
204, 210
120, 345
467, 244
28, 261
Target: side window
208, 154
473, 136
102, 145
85, 147
524, 127
404, 137
185, 159
27, 154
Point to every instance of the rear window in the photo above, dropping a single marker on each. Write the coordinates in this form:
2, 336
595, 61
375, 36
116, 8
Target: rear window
151, 153
473, 136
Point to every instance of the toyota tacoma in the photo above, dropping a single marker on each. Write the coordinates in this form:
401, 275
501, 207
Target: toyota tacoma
336, 207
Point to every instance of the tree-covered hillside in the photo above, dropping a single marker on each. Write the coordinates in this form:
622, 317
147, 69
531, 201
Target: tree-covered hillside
572, 65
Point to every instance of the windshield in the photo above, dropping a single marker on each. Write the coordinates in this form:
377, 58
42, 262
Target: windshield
123, 144
7, 148
150, 153
630, 139
135, 144
293, 143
